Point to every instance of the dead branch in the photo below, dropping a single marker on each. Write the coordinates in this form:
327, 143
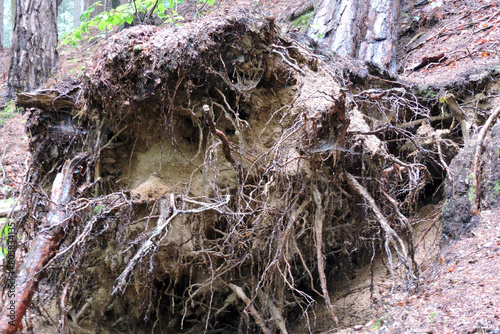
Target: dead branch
460, 115
48, 99
422, 120
318, 231
44, 246
477, 155
251, 308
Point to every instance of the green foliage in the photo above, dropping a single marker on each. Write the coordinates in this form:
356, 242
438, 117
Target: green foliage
99, 208
494, 189
302, 22
377, 324
5, 225
4, 233
141, 11
426, 92
9, 111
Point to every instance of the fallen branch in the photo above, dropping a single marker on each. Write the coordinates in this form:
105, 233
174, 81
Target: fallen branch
44, 246
477, 155
427, 60
318, 232
48, 99
422, 120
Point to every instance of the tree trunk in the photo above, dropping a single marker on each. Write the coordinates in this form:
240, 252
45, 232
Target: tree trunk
77, 12
34, 44
13, 10
364, 29
1, 24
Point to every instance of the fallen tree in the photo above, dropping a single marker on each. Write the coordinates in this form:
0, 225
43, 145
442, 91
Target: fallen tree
225, 169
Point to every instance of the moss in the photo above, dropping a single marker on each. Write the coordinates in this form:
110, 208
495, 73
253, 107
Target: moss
8, 112
302, 22
494, 188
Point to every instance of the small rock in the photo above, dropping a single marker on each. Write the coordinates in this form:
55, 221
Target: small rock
358, 327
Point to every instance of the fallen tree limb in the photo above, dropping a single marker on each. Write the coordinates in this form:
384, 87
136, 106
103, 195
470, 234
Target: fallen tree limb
44, 246
48, 99
477, 155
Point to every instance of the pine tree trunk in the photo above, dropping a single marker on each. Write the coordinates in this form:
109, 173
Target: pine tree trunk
34, 44
77, 12
364, 29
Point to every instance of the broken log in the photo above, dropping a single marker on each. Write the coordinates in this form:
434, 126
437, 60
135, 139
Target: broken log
48, 99
44, 247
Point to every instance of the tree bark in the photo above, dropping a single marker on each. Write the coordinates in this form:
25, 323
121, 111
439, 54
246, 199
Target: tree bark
77, 12
44, 246
34, 44
363, 29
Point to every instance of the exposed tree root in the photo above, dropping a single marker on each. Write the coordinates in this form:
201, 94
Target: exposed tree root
477, 155
43, 247
318, 231
391, 237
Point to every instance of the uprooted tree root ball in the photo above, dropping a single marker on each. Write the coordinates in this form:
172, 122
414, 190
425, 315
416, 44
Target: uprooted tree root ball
226, 177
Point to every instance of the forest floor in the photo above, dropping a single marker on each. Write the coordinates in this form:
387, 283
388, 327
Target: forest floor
460, 279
